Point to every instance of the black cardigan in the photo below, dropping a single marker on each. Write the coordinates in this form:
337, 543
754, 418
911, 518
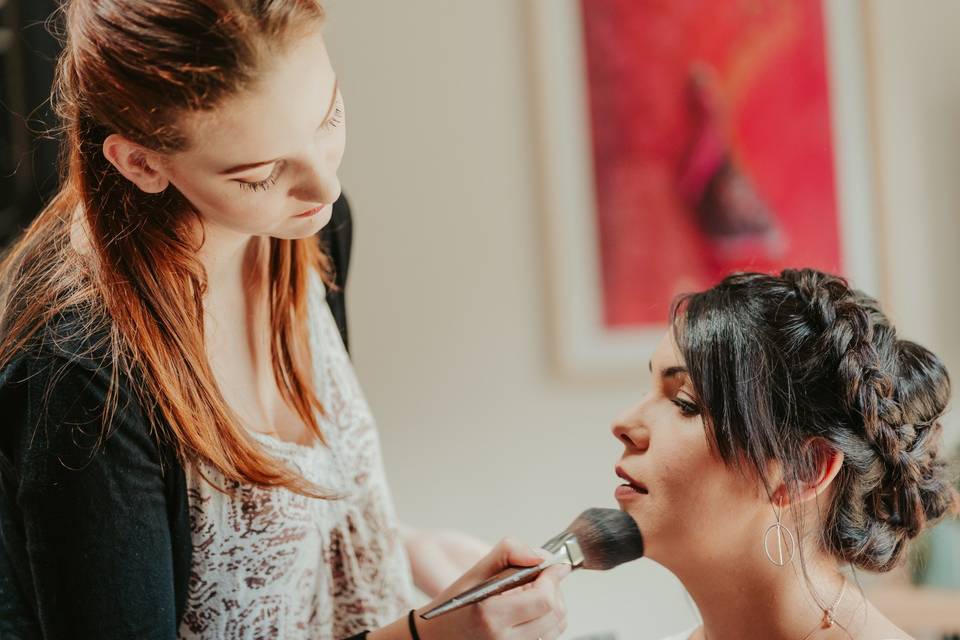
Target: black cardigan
95, 535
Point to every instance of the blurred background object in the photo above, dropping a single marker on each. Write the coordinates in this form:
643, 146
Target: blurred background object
697, 139
936, 557
28, 154
687, 102
457, 300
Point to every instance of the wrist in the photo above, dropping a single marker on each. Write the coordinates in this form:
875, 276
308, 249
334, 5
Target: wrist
400, 629
397, 630
431, 629
412, 623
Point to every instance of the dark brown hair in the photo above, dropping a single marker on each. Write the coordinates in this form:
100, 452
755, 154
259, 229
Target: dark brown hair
135, 67
781, 361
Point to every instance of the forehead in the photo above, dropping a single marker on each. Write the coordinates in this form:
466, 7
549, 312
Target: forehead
667, 353
287, 102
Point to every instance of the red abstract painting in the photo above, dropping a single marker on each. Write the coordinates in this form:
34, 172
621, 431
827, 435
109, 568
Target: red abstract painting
712, 146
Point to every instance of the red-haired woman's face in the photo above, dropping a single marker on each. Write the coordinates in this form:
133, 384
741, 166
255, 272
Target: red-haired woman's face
270, 154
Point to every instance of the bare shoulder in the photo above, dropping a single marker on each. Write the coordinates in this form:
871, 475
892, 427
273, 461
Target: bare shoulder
877, 626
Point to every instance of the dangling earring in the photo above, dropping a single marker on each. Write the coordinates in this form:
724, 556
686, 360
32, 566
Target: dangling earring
778, 530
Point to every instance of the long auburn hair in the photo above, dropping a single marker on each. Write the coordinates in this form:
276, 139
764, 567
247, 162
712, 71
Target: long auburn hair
133, 67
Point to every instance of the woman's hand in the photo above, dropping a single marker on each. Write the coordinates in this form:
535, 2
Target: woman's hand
527, 613
438, 557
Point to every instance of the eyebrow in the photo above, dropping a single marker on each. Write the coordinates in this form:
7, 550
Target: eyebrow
253, 165
668, 372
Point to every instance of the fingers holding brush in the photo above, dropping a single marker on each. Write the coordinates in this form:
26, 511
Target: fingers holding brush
503, 617
598, 539
511, 553
543, 602
539, 599
506, 554
537, 611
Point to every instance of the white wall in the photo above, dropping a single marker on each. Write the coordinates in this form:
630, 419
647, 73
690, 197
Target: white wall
447, 285
916, 80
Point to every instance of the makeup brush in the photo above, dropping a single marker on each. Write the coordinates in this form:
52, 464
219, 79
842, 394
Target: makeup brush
598, 539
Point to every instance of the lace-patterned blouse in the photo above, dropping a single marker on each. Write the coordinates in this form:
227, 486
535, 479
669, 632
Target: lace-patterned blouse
269, 563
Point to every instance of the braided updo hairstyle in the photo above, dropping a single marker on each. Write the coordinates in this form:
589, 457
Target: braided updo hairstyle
782, 362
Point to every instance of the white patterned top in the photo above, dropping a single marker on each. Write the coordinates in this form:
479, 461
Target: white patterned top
269, 563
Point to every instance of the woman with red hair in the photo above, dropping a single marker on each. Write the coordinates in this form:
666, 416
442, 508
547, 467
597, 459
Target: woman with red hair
185, 449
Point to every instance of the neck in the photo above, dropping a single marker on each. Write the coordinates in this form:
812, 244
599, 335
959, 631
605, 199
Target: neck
748, 597
235, 266
229, 258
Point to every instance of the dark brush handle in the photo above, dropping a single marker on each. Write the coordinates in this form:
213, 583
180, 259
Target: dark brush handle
503, 581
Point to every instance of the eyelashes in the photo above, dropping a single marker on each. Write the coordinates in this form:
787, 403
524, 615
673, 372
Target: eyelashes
263, 184
687, 409
336, 118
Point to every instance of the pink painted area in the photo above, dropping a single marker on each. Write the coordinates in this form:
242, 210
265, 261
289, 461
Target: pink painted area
693, 183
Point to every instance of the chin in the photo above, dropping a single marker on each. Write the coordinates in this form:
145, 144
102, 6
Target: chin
636, 517
319, 220
648, 523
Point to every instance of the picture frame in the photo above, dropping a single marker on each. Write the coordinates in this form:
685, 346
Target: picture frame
581, 345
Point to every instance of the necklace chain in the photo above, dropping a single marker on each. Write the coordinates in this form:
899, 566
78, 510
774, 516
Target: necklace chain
825, 623
828, 620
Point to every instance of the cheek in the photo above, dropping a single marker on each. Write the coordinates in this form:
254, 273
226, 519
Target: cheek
687, 478
227, 205
340, 146
707, 501
696, 496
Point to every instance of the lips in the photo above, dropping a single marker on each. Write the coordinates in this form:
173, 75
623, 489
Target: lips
631, 482
311, 212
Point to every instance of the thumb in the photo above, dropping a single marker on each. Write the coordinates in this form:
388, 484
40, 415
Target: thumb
512, 553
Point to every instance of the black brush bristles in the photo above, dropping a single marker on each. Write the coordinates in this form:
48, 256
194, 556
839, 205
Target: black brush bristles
607, 537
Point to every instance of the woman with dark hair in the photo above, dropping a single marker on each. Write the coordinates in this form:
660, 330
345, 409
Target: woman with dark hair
185, 450
790, 435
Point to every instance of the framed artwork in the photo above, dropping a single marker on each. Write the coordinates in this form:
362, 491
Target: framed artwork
683, 140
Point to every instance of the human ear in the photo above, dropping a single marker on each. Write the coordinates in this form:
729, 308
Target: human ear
136, 163
821, 464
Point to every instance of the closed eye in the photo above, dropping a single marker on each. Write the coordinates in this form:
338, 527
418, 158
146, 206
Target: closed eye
262, 185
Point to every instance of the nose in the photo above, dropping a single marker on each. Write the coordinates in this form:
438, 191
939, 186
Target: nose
631, 431
318, 182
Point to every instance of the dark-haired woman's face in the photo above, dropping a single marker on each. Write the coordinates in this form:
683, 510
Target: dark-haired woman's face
683, 497
271, 153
